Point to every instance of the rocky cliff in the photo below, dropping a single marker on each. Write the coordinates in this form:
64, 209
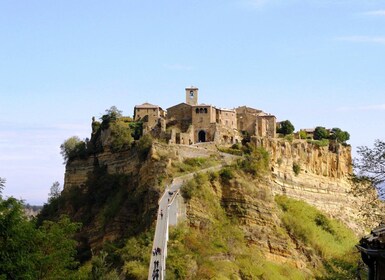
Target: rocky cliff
323, 179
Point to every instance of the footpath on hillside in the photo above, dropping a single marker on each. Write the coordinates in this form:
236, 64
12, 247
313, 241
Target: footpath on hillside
168, 215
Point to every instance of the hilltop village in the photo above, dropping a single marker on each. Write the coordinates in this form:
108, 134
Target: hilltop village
191, 122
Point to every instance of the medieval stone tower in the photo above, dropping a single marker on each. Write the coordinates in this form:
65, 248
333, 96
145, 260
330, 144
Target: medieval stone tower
192, 96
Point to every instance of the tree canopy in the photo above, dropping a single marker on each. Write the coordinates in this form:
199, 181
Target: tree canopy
72, 147
339, 135
320, 133
31, 252
285, 127
371, 162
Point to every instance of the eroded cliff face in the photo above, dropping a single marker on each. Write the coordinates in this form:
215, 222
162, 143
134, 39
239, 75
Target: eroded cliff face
323, 180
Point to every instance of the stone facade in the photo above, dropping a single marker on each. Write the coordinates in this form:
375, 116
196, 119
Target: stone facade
256, 122
150, 115
190, 122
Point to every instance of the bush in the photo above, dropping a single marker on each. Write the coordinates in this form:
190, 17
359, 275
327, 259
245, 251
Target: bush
302, 134
285, 127
296, 168
321, 133
73, 148
121, 138
226, 174
144, 146
257, 162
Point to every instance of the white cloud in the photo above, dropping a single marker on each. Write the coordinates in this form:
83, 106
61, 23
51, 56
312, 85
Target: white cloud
375, 13
364, 39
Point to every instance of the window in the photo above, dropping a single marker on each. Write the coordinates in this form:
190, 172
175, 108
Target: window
205, 110
201, 110
197, 110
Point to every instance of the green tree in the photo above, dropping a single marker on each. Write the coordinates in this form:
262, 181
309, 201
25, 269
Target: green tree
121, 137
17, 242
320, 133
101, 270
28, 252
71, 148
111, 115
144, 146
371, 164
56, 249
285, 127
114, 112
339, 135
302, 134
54, 192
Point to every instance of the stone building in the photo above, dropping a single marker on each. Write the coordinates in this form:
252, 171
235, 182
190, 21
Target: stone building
190, 122
150, 115
255, 122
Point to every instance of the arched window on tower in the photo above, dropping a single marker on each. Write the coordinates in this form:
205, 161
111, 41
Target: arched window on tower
197, 110
205, 110
201, 110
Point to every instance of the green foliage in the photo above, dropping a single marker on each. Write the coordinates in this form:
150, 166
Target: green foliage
136, 129
56, 249
101, 270
193, 187
319, 143
54, 192
136, 256
302, 134
370, 164
226, 174
339, 135
256, 162
296, 168
193, 164
17, 242
73, 148
144, 146
111, 115
121, 138
330, 239
289, 137
27, 252
320, 133
285, 127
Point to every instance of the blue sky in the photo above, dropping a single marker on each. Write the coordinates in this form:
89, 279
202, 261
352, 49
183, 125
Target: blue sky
314, 62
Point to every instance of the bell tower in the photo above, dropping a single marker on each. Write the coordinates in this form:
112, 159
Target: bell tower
192, 96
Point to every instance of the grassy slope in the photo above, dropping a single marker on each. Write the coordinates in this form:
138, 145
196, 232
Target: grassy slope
219, 250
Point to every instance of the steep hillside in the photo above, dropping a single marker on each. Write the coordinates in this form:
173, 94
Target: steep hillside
236, 229
239, 222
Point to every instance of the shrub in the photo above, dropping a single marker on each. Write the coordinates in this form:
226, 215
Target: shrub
226, 174
285, 127
321, 133
257, 162
144, 146
72, 148
302, 134
296, 168
121, 138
